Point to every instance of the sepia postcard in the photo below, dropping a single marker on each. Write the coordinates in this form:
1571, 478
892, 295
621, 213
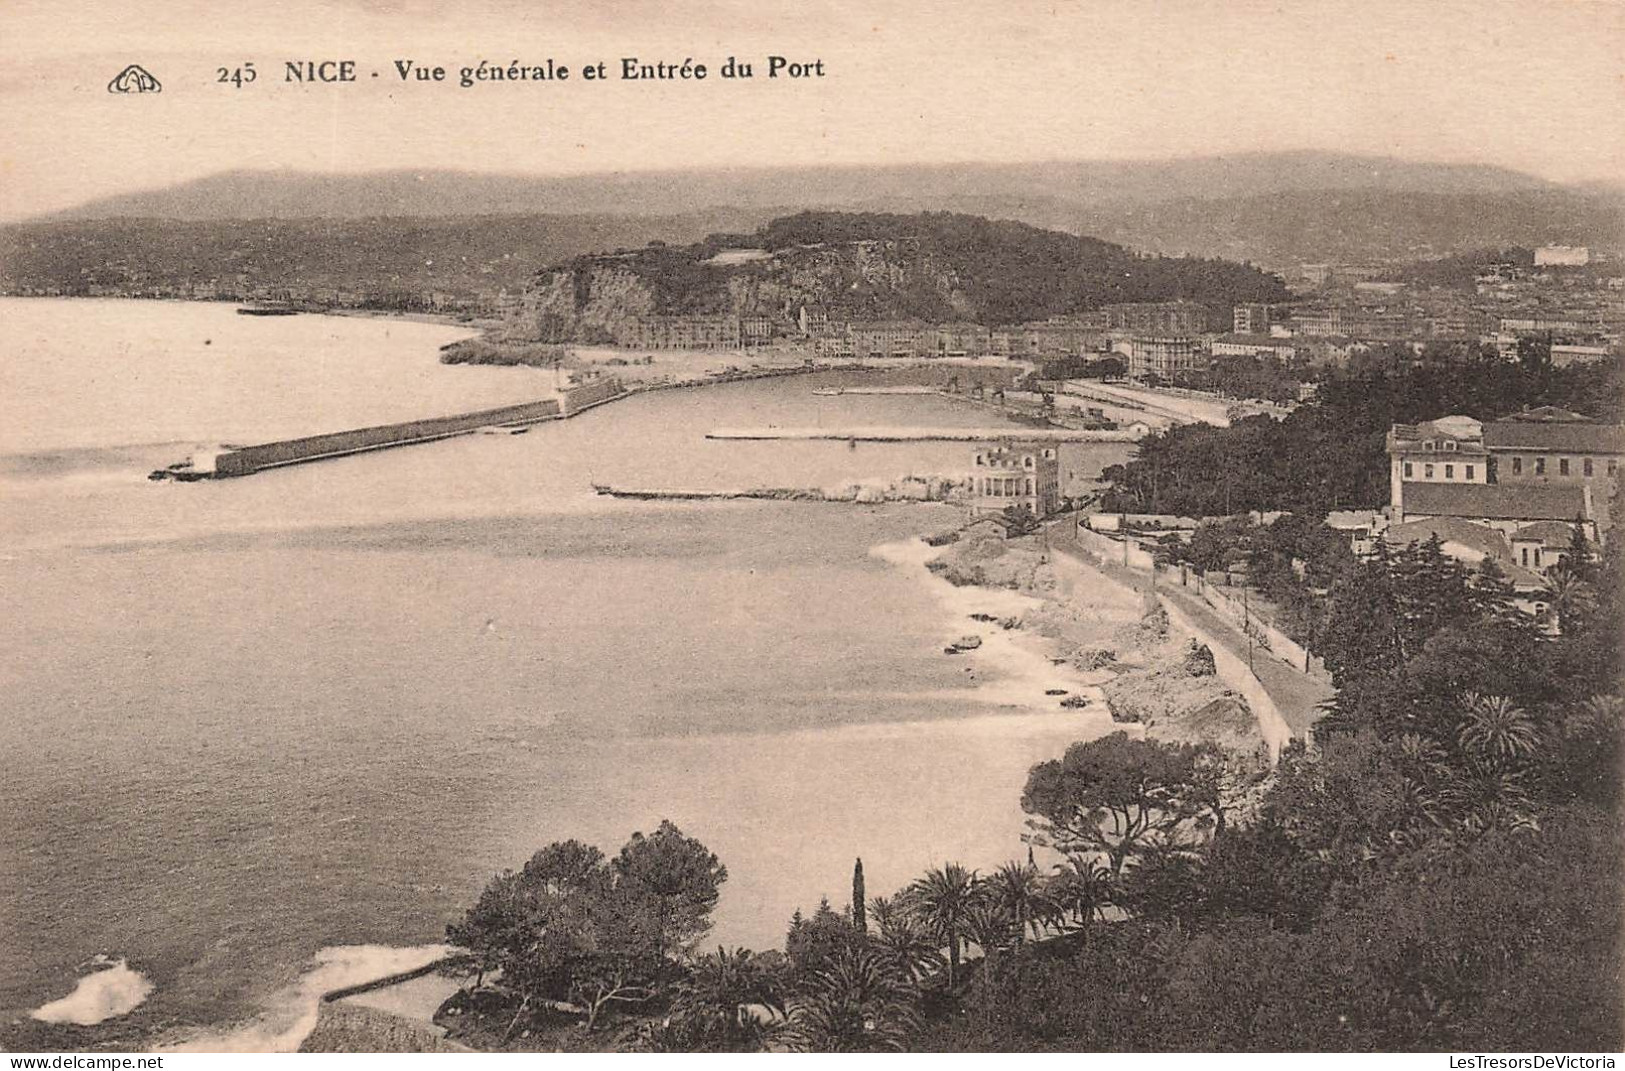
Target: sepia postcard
760, 527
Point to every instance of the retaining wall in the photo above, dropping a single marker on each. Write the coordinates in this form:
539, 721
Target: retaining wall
1234, 672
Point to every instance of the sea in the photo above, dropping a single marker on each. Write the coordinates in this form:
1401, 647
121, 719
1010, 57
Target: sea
263, 737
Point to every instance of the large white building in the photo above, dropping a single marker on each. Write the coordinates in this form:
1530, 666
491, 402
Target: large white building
1016, 474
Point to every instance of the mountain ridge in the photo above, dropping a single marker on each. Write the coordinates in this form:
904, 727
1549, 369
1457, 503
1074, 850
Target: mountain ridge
248, 194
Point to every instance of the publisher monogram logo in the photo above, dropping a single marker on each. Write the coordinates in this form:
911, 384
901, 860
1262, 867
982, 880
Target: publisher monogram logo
134, 79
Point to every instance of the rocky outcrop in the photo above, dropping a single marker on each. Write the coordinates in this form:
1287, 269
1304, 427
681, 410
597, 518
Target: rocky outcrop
592, 300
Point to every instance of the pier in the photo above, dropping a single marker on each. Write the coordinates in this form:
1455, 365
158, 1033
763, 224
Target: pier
246, 460
944, 435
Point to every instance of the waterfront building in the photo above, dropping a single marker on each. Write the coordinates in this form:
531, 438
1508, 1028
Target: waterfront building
1016, 474
682, 333
889, 338
961, 340
757, 330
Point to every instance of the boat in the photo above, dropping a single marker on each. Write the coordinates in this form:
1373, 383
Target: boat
267, 310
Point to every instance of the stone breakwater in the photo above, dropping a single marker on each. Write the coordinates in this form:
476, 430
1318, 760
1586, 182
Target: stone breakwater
247, 460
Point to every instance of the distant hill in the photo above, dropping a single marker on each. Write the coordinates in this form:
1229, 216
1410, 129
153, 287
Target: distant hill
1274, 208
479, 254
292, 194
933, 266
1289, 227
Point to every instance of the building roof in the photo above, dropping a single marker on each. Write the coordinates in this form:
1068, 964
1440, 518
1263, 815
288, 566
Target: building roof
1476, 537
1465, 432
1496, 501
1445, 427
1480, 540
1548, 414
1556, 534
1556, 436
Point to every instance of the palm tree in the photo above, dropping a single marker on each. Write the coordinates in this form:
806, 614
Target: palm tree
941, 901
990, 927
1572, 597
856, 1004
1082, 887
885, 910
1019, 890
905, 945
712, 1003
1497, 731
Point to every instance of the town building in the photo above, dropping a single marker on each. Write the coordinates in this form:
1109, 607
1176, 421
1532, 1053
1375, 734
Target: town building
1364, 322
1253, 345
757, 330
1157, 317
1562, 256
1565, 354
889, 338
1472, 544
1161, 356
1541, 465
1016, 474
960, 340
1555, 447
1361, 527
682, 333
1250, 320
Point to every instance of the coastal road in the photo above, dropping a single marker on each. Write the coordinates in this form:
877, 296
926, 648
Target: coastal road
1297, 695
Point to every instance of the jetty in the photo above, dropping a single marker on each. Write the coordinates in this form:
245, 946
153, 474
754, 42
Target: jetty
228, 461
943, 435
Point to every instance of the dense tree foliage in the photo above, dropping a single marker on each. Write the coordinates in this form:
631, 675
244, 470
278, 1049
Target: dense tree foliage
1119, 797
1330, 453
1442, 870
574, 932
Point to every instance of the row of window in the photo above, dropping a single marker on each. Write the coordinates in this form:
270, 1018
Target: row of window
1468, 473
1587, 468
996, 487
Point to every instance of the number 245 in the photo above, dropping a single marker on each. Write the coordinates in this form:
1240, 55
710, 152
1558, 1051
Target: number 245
239, 76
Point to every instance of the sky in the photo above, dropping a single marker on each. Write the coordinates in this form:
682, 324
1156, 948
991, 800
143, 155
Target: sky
1526, 84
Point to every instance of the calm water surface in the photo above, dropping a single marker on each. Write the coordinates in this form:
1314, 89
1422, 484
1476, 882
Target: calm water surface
248, 721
